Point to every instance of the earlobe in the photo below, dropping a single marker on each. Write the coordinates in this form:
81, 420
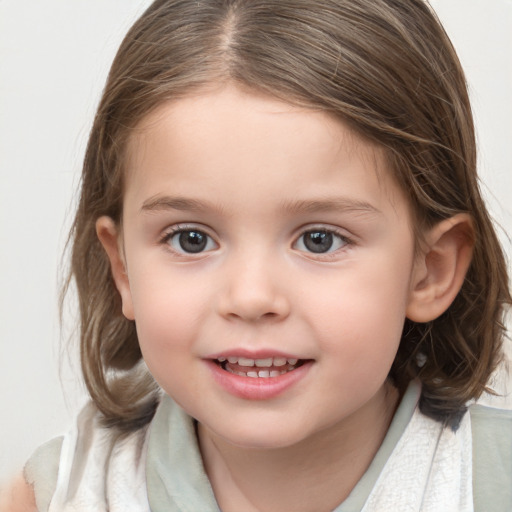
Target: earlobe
109, 237
441, 268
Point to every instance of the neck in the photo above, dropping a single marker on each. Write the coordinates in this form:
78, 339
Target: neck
316, 474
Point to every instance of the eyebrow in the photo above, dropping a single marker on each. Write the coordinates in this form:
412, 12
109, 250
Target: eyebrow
341, 204
162, 203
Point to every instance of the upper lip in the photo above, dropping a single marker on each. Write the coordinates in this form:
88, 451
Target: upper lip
253, 354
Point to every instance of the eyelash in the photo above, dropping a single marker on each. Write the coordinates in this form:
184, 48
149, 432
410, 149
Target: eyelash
343, 241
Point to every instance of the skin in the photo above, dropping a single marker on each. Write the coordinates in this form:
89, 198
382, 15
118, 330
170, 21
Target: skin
255, 175
18, 496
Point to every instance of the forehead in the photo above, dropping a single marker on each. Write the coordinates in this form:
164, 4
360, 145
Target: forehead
251, 142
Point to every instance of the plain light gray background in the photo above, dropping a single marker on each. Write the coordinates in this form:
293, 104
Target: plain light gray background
54, 57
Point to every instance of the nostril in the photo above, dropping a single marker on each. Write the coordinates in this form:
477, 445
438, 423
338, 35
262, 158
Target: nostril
254, 314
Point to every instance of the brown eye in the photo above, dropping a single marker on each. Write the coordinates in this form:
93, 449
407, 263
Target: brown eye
191, 241
320, 241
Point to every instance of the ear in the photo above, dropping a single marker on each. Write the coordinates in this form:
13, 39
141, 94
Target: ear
110, 238
441, 267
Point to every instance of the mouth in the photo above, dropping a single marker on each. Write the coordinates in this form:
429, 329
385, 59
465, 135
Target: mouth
267, 368
261, 376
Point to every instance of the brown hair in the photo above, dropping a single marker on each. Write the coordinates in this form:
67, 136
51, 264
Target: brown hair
385, 67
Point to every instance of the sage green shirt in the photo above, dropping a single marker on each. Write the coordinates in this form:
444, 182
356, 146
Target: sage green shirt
175, 473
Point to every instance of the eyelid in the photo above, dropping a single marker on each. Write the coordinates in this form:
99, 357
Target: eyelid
185, 226
336, 230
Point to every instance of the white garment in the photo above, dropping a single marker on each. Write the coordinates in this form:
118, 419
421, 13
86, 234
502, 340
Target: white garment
100, 470
429, 470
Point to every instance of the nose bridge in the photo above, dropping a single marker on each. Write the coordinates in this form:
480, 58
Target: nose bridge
252, 287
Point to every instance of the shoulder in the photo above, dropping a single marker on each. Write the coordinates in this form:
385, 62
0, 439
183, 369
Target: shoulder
91, 466
491, 420
492, 457
87, 446
41, 472
492, 433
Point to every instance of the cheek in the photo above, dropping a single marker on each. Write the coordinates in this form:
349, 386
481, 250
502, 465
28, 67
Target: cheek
364, 316
166, 323
166, 311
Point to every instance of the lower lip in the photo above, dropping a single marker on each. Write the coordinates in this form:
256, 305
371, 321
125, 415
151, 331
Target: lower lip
258, 388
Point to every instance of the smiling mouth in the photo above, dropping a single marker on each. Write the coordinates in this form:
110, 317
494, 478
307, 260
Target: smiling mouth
259, 368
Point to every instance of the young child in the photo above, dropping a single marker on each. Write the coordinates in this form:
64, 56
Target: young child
290, 288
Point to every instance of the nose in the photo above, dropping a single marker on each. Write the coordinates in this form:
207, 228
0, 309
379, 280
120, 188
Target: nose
253, 290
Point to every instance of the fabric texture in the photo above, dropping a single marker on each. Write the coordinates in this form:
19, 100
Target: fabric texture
42, 470
420, 466
492, 451
430, 470
100, 469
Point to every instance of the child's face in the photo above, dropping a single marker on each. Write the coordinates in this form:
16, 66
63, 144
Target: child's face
254, 229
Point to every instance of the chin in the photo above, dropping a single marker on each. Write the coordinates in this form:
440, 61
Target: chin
264, 438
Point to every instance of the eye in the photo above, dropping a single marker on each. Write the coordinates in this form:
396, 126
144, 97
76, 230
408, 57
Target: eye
320, 241
190, 241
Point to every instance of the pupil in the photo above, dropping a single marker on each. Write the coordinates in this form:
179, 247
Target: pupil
318, 241
192, 241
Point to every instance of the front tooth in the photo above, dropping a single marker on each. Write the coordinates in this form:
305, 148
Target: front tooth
275, 373
263, 363
264, 373
252, 374
245, 362
233, 360
279, 361
292, 361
